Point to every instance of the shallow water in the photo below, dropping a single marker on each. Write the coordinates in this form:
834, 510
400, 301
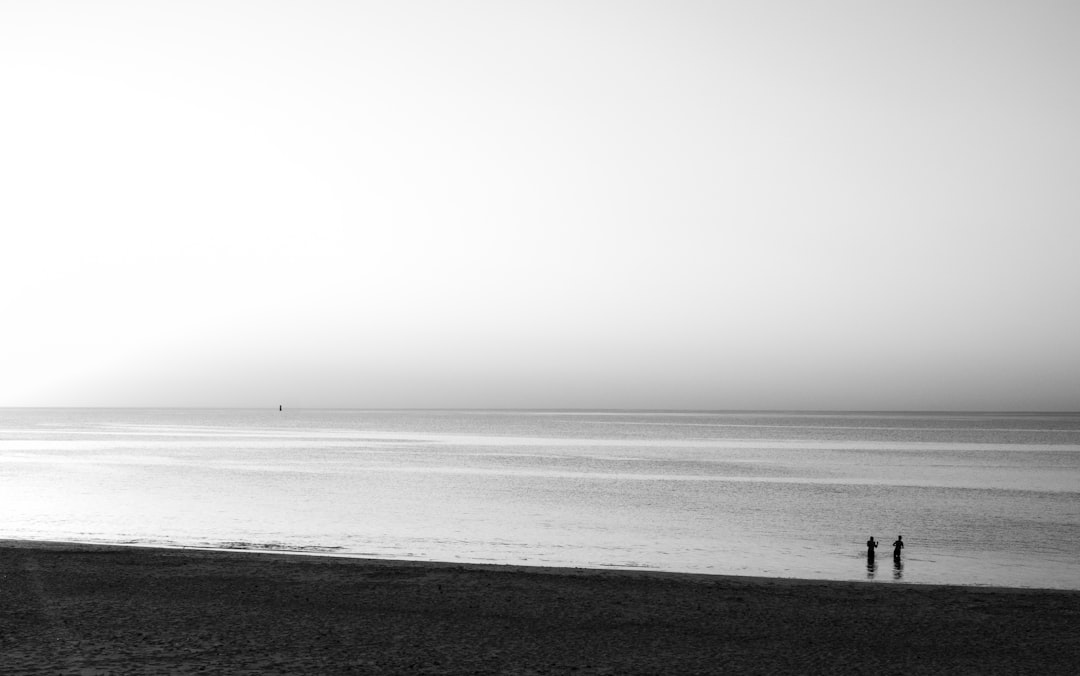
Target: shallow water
980, 499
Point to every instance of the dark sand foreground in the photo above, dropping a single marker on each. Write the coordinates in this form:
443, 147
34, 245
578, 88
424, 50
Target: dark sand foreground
73, 609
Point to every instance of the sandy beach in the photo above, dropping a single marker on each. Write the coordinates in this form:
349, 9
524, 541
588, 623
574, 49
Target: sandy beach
79, 609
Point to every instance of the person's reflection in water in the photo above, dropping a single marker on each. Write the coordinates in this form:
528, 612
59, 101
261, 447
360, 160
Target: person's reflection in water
898, 569
871, 569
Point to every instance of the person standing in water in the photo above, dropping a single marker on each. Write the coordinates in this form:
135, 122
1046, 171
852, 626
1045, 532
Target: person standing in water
871, 545
897, 546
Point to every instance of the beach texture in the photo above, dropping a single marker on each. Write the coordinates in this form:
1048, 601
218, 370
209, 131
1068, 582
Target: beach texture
73, 609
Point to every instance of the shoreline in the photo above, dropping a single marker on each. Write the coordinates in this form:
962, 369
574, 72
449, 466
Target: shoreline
359, 559
96, 609
76, 545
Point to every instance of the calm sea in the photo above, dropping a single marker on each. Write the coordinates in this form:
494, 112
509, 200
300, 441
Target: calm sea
980, 499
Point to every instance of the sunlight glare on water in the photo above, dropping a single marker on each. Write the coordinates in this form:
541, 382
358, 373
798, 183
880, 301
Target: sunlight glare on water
980, 499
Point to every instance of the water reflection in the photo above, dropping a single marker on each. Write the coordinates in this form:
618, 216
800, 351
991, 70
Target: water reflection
898, 569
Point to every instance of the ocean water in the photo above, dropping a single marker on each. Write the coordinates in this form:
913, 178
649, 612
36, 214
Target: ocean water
980, 499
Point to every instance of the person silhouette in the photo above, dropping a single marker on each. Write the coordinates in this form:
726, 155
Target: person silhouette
897, 546
871, 545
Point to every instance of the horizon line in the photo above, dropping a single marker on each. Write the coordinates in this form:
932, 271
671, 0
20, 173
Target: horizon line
573, 409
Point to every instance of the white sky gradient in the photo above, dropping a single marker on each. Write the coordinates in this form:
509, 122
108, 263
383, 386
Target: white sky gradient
713, 205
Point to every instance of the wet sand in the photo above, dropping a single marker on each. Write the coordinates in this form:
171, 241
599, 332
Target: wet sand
77, 609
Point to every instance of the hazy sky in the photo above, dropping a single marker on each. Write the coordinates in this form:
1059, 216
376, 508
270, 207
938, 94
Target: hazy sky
856, 205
